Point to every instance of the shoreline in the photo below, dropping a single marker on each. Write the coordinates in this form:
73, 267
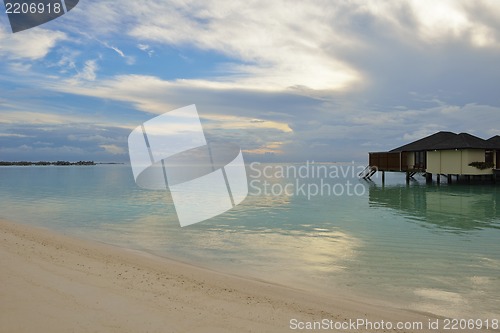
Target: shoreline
62, 283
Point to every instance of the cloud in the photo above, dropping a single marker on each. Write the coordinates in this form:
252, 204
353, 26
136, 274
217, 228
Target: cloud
32, 44
238, 122
221, 116
95, 138
145, 92
47, 151
117, 50
88, 72
278, 51
69, 141
113, 149
451, 19
41, 118
13, 135
128, 59
276, 45
315, 79
293, 126
146, 48
67, 61
272, 51
426, 130
267, 148
434, 22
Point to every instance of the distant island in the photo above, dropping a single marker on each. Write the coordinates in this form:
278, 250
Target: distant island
44, 163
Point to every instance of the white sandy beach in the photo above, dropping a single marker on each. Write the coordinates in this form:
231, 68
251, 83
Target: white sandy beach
56, 283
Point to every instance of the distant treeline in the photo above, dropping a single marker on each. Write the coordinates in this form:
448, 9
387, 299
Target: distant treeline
43, 163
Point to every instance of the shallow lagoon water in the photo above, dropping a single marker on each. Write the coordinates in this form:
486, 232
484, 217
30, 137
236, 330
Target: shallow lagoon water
423, 247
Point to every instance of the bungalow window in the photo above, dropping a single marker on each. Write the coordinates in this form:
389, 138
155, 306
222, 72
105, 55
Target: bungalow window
488, 157
420, 160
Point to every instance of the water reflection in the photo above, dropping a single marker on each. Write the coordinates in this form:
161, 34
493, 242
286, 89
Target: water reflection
456, 207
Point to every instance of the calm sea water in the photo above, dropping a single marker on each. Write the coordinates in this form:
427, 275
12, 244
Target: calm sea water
423, 247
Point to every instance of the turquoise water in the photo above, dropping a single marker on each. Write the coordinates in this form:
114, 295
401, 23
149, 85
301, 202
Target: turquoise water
423, 247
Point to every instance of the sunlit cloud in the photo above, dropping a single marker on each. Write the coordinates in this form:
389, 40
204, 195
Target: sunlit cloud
268, 148
113, 149
274, 51
238, 122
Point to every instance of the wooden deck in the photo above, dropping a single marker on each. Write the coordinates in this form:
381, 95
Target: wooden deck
394, 161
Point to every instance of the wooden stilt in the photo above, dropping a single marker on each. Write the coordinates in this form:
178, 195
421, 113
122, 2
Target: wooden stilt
428, 178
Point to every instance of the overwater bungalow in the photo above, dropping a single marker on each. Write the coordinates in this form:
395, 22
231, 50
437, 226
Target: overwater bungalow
443, 153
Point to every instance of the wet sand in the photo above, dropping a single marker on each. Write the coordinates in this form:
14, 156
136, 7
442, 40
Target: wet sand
51, 282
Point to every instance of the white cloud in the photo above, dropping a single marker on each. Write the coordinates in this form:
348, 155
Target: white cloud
117, 50
285, 47
449, 18
88, 72
281, 46
13, 135
128, 59
146, 48
277, 45
145, 92
441, 21
67, 62
31, 44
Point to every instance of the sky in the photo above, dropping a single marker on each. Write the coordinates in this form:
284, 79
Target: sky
288, 81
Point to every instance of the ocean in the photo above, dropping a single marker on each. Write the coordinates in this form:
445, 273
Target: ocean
314, 227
